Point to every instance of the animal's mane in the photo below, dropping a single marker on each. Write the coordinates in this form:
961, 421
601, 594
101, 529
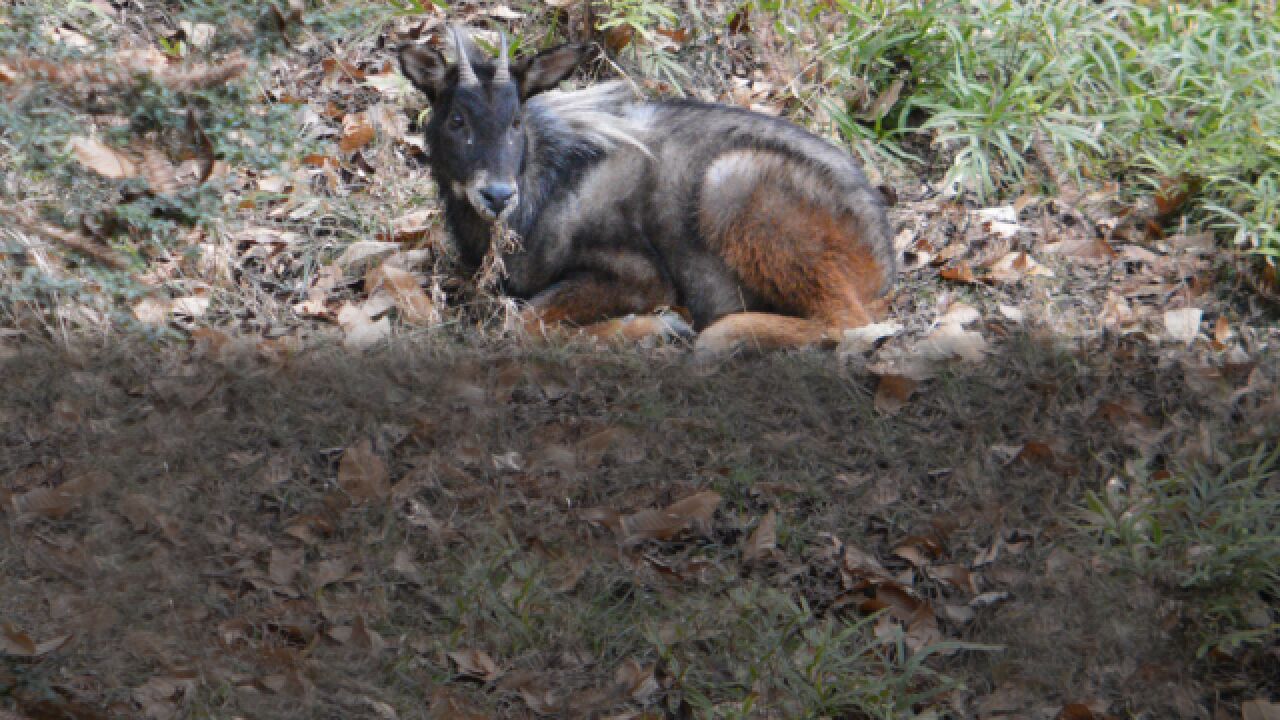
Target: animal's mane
602, 115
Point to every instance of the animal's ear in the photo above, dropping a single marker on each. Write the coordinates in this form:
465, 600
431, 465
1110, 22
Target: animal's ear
545, 70
426, 69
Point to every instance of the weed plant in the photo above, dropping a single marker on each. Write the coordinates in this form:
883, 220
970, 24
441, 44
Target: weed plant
1169, 99
1210, 535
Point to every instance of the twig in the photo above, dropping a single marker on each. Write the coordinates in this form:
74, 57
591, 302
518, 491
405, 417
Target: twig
71, 240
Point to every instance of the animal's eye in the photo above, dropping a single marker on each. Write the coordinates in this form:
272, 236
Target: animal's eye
457, 121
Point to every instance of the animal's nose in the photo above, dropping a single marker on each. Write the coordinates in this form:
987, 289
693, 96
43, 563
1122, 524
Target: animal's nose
497, 195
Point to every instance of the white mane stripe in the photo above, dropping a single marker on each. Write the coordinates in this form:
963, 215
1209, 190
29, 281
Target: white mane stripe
600, 114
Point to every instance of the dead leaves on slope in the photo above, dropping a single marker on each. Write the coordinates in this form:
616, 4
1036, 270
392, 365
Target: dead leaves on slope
119, 72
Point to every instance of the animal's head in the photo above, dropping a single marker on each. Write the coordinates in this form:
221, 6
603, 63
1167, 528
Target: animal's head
476, 133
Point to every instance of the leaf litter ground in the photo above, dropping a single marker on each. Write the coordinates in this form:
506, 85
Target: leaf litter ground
579, 532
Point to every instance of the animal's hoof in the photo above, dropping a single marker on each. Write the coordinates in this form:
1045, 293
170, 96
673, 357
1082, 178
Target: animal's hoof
673, 327
714, 345
642, 329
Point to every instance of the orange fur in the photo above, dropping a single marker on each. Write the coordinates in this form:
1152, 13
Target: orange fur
601, 309
802, 258
636, 328
759, 331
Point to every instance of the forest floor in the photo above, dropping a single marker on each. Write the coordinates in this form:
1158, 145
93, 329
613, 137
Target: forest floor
318, 477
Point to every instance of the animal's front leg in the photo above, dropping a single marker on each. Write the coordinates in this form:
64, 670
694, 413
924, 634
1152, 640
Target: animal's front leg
605, 307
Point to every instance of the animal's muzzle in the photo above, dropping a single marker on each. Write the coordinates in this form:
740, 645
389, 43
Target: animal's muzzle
497, 196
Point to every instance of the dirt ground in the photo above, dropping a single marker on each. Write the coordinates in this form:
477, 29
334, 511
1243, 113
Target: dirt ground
437, 529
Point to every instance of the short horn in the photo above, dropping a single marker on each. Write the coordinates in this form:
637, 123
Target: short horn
466, 74
503, 74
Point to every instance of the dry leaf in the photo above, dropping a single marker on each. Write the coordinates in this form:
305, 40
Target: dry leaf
1001, 221
923, 633
357, 132
291, 683
697, 508
52, 503
764, 539
447, 707
1260, 710
959, 614
1085, 247
502, 12
358, 636
604, 517
988, 598
362, 474
198, 34
403, 563
958, 313
139, 510
618, 37
193, 306
861, 340
592, 448
361, 329
892, 393
284, 565
637, 681
161, 697
1075, 711
1182, 325
960, 272
161, 175
15, 642
365, 253
415, 306
1015, 266
997, 213
542, 701
153, 311
651, 525
912, 555
887, 99
564, 576
477, 664
901, 603
1012, 313
951, 340
328, 572
861, 564
413, 226
956, 576
102, 158
64, 34
1221, 330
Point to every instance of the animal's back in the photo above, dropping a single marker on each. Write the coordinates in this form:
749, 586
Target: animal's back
734, 145
755, 213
